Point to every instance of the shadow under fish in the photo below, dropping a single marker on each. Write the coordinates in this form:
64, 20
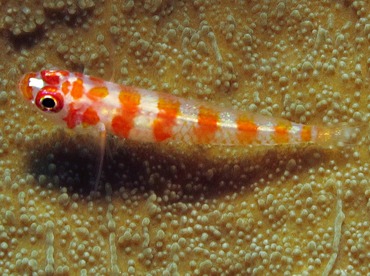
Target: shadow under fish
180, 172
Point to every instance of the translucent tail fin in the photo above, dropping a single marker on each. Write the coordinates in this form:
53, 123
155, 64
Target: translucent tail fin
342, 134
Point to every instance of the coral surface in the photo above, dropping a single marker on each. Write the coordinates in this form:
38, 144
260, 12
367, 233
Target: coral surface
177, 209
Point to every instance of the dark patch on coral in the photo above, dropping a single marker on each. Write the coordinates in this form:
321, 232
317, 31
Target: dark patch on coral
24, 40
70, 20
53, 17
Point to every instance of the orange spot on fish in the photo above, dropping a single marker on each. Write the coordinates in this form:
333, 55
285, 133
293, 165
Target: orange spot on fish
65, 87
97, 93
90, 117
207, 124
247, 130
306, 133
166, 119
77, 89
72, 118
121, 125
129, 98
281, 133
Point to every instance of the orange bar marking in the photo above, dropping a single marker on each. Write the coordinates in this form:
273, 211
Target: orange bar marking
281, 133
77, 89
123, 123
207, 124
247, 130
166, 119
306, 133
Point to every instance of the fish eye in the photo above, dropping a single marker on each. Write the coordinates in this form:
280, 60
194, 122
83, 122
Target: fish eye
48, 102
49, 99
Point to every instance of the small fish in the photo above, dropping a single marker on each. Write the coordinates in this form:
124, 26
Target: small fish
73, 99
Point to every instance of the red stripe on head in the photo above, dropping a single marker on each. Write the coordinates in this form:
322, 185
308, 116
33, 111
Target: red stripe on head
52, 77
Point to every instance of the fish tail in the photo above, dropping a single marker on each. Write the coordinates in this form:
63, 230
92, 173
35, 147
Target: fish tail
342, 134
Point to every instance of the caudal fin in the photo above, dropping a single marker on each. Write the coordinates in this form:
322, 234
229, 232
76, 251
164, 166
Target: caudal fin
342, 134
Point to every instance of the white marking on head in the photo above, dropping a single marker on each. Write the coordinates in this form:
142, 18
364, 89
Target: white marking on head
35, 82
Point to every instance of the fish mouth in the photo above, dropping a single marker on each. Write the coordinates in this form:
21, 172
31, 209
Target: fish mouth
24, 85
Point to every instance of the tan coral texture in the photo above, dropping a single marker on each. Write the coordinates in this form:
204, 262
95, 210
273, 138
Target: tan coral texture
166, 209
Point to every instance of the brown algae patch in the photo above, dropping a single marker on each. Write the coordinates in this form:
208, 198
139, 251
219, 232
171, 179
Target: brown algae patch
169, 209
